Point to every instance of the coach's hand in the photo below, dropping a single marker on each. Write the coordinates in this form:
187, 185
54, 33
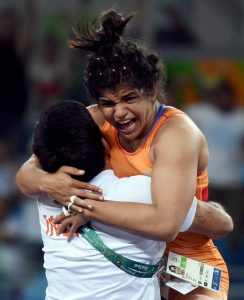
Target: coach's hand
70, 223
61, 186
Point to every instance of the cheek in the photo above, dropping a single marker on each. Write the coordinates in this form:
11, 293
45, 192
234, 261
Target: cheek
142, 115
107, 113
142, 110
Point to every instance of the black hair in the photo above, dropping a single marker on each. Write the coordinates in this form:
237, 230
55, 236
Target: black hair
67, 135
116, 59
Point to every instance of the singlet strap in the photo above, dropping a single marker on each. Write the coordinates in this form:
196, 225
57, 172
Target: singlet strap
159, 114
166, 115
163, 114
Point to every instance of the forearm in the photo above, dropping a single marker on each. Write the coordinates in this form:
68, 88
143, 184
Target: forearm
144, 219
211, 220
29, 176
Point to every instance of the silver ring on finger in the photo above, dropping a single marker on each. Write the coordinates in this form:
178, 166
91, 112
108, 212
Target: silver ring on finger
69, 206
65, 211
72, 198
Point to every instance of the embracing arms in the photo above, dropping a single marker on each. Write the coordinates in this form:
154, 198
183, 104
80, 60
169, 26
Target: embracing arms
173, 188
210, 220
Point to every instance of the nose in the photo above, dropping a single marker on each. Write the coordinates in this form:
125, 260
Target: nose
120, 111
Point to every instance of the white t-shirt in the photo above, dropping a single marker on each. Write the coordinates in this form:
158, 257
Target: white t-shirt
77, 271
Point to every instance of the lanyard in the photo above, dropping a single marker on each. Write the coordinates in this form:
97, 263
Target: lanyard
129, 266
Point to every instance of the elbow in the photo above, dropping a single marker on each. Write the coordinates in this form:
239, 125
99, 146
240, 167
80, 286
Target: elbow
18, 181
172, 234
229, 226
169, 237
166, 233
24, 190
226, 229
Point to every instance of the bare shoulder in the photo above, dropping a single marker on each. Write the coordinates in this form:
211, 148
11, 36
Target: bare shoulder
96, 115
179, 127
180, 135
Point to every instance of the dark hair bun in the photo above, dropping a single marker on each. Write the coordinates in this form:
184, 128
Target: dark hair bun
112, 26
117, 59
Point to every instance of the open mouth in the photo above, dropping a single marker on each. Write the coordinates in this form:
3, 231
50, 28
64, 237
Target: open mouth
127, 126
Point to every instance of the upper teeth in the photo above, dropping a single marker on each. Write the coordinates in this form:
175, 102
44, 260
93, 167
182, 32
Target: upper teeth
124, 122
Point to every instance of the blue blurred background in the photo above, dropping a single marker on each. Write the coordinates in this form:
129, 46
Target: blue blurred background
202, 46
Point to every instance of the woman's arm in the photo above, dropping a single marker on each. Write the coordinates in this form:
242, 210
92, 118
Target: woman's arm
210, 219
173, 187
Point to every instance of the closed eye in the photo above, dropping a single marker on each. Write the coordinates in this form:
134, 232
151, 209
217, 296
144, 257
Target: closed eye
129, 98
106, 103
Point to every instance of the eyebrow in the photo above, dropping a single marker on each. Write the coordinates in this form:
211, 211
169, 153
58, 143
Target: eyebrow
124, 96
129, 93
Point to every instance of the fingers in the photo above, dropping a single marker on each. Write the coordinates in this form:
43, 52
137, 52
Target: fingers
73, 230
71, 171
59, 218
63, 199
86, 186
79, 204
76, 208
82, 190
71, 224
88, 195
64, 225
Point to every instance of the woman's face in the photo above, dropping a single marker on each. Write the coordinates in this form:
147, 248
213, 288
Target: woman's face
129, 110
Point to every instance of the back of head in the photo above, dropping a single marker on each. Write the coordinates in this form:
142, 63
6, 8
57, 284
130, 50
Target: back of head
116, 60
67, 135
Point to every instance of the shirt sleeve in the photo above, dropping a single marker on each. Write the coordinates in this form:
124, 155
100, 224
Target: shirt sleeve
190, 216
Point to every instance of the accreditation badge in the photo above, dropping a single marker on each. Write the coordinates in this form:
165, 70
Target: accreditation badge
193, 271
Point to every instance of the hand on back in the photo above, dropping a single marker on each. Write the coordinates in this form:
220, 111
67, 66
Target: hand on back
61, 186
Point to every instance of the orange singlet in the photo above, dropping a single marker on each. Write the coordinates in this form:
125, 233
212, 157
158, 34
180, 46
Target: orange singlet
124, 164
